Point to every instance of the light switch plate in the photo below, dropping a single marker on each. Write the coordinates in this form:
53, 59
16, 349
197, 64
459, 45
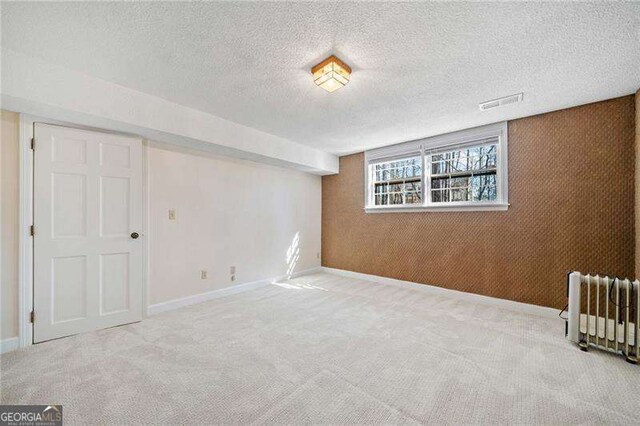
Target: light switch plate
203, 275
172, 214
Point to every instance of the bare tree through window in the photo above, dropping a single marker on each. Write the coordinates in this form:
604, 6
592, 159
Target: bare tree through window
467, 174
398, 182
465, 170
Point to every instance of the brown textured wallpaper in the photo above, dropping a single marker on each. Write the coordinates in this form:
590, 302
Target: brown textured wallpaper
571, 190
637, 191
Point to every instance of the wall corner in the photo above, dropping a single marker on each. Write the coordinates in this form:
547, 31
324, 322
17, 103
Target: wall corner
637, 186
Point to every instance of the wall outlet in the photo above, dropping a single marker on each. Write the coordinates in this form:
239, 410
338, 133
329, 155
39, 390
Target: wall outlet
203, 275
318, 255
172, 214
232, 270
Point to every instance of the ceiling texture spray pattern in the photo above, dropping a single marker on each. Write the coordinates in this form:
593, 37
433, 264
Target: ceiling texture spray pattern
419, 69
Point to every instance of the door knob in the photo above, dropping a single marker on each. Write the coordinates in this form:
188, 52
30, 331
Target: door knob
134, 235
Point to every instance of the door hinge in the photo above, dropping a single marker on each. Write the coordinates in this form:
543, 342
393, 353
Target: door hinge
33, 316
32, 230
33, 143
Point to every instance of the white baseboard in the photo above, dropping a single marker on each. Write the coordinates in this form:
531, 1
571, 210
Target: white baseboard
296, 274
520, 307
215, 294
8, 345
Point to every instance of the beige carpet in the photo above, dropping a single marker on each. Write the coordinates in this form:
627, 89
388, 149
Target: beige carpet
327, 349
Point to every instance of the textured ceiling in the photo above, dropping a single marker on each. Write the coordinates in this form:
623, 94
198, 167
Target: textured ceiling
419, 69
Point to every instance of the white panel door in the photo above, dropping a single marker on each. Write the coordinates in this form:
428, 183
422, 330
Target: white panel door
88, 217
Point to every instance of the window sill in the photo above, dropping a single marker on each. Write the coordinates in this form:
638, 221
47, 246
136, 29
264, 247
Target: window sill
465, 207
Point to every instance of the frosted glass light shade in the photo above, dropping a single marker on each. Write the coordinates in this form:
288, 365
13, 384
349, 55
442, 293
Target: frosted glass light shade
331, 74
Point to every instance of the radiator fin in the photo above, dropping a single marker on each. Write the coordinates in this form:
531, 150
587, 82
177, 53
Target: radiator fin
604, 312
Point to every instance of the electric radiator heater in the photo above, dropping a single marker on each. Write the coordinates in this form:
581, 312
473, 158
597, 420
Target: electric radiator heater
604, 312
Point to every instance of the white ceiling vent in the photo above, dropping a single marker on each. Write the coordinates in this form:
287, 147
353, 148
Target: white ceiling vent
511, 99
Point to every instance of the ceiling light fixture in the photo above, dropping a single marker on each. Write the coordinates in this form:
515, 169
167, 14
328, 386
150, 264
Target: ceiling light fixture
331, 74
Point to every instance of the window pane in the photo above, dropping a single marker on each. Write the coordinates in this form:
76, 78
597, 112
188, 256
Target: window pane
413, 187
413, 198
460, 182
398, 182
463, 160
484, 188
439, 196
395, 198
459, 194
381, 200
380, 188
464, 174
395, 187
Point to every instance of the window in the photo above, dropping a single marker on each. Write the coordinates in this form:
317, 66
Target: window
460, 171
464, 174
398, 182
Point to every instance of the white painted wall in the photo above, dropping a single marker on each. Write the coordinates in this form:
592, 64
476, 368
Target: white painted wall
9, 228
36, 87
228, 212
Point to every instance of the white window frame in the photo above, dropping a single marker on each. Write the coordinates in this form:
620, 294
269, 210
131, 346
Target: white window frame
461, 138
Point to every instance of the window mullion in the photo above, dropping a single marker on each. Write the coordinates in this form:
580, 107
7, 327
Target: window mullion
426, 179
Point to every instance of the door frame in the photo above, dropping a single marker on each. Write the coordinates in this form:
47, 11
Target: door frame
25, 240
